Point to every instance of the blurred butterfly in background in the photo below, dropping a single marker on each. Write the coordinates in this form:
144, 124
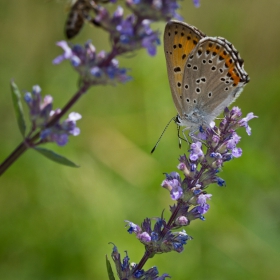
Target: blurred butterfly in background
205, 74
81, 11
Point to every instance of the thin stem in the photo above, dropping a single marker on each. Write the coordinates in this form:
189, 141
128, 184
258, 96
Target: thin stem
142, 262
27, 143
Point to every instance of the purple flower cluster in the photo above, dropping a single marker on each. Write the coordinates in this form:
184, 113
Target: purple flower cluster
95, 69
155, 241
155, 10
128, 33
41, 113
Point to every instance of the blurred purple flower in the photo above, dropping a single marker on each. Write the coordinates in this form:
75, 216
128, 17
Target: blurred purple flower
59, 133
155, 10
98, 69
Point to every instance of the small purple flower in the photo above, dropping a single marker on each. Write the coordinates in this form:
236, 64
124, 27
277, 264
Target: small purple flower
235, 112
39, 110
59, 133
196, 151
144, 237
195, 213
236, 152
196, 3
231, 143
201, 201
182, 221
202, 198
203, 209
68, 54
180, 240
244, 122
173, 184
220, 182
133, 228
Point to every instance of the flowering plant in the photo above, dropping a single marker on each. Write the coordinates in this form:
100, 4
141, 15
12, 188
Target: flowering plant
200, 169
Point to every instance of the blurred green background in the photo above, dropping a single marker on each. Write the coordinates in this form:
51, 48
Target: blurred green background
56, 222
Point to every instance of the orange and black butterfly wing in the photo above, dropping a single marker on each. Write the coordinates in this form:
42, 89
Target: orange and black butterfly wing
179, 40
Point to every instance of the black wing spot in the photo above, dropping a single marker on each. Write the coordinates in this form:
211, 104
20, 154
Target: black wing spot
177, 69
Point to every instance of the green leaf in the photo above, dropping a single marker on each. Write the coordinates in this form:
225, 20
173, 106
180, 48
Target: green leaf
18, 108
109, 270
55, 157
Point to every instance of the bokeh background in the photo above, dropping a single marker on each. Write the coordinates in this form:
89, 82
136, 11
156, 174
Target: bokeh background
56, 222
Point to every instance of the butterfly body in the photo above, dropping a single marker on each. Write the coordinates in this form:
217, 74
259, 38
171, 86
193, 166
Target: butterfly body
205, 74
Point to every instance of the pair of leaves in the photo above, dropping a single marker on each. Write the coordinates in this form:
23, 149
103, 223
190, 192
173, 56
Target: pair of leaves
16, 96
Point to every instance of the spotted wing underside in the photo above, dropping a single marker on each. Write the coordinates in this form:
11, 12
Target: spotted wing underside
179, 40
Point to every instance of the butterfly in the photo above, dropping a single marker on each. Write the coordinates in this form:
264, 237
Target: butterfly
205, 74
80, 12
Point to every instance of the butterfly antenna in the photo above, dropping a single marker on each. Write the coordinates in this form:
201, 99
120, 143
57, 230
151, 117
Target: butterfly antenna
173, 119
